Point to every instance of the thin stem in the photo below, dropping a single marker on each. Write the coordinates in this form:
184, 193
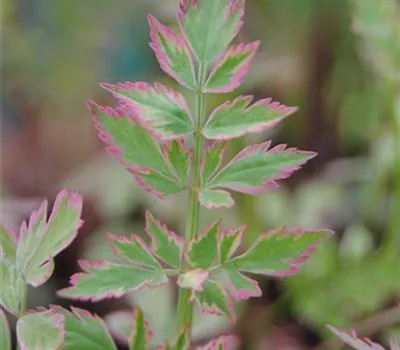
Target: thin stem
185, 308
22, 306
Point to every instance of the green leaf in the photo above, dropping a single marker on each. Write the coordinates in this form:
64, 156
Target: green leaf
172, 53
132, 146
5, 334
212, 159
181, 343
220, 343
213, 299
201, 20
231, 68
212, 199
41, 241
228, 242
241, 287
162, 110
237, 118
141, 334
41, 330
165, 244
280, 252
178, 158
202, 252
84, 330
12, 285
104, 279
351, 339
256, 169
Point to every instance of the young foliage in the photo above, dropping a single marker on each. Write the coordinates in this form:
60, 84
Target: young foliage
350, 338
41, 330
141, 335
5, 335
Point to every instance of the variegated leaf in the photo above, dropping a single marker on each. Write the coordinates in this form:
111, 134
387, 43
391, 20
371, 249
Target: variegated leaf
241, 287
178, 158
279, 253
350, 338
5, 334
161, 110
202, 252
220, 343
256, 168
212, 160
165, 244
200, 20
41, 330
104, 279
40, 241
181, 343
172, 53
12, 285
193, 279
132, 146
212, 199
213, 299
228, 242
231, 68
237, 118
84, 330
141, 333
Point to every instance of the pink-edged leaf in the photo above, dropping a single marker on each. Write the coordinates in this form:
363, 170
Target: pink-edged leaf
193, 279
213, 199
350, 338
237, 118
104, 279
134, 148
280, 252
231, 68
165, 244
212, 160
228, 242
181, 343
40, 241
161, 110
11, 281
202, 252
225, 342
178, 158
41, 330
141, 333
394, 343
241, 287
172, 53
202, 20
256, 168
213, 299
84, 330
135, 251
5, 334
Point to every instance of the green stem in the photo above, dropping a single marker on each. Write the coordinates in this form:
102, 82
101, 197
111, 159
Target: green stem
185, 308
22, 306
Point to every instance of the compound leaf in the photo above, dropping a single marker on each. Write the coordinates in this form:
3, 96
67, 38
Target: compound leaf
231, 68
256, 169
237, 118
200, 20
172, 53
161, 110
40, 241
41, 330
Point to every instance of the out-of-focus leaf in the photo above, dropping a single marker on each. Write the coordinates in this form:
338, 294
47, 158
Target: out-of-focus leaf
141, 334
220, 343
161, 110
231, 68
5, 335
201, 20
172, 53
41, 330
181, 343
256, 169
132, 146
350, 338
356, 243
40, 241
237, 118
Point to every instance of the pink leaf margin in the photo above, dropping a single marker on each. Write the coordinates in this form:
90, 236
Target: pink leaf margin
240, 72
282, 111
227, 342
199, 276
208, 206
136, 112
351, 338
271, 183
162, 57
239, 231
136, 315
243, 294
294, 264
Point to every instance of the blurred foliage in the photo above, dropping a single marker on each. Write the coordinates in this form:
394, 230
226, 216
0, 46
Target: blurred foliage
338, 60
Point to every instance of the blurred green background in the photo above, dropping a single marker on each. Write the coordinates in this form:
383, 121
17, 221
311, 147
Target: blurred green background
338, 60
